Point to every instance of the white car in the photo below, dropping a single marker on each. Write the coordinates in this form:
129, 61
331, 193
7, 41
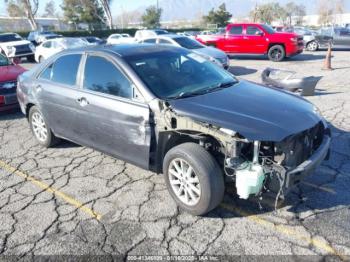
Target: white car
210, 53
14, 46
51, 47
120, 39
147, 33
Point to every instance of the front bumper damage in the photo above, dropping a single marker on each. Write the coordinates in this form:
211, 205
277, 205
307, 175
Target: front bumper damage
284, 163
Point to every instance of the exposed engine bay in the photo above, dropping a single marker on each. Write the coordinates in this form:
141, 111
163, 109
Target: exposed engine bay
255, 167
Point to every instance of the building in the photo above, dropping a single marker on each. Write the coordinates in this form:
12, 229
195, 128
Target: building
17, 24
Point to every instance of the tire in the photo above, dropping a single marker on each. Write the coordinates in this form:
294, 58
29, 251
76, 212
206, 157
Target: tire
276, 53
312, 46
40, 128
31, 59
206, 177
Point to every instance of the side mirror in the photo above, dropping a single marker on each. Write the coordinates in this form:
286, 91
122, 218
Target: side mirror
259, 33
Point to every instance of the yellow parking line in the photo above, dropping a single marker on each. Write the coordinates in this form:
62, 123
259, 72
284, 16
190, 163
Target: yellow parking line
329, 190
52, 190
284, 230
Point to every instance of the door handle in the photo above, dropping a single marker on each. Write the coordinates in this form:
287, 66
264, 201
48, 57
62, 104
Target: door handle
82, 101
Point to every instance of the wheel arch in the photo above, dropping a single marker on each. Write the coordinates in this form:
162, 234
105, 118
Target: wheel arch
273, 44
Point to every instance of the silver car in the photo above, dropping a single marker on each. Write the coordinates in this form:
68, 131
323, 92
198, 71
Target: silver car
210, 53
171, 111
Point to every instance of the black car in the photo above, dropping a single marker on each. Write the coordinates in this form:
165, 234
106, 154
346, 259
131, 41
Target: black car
93, 40
170, 111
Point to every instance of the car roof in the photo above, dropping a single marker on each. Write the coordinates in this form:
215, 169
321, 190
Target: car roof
172, 36
124, 50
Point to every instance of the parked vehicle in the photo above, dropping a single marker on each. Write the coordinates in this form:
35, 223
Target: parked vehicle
259, 39
209, 38
147, 33
14, 46
93, 40
120, 39
170, 111
339, 36
37, 37
210, 53
8, 83
312, 40
51, 47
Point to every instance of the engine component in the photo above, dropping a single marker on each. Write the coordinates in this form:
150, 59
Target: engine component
250, 180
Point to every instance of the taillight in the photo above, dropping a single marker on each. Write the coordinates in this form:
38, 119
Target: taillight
2, 100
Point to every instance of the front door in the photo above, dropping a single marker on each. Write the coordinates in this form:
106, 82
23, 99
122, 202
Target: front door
254, 40
112, 121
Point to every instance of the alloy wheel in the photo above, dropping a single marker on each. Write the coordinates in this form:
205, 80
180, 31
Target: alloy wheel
39, 127
184, 182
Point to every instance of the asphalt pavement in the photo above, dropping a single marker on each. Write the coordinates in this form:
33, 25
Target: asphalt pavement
72, 200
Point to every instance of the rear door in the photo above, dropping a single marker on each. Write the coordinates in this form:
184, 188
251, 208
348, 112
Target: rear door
112, 120
57, 92
234, 41
254, 40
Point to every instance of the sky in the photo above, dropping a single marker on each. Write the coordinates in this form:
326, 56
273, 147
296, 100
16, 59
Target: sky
117, 5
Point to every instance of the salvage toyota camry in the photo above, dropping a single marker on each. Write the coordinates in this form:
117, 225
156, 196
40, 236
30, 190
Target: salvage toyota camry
170, 111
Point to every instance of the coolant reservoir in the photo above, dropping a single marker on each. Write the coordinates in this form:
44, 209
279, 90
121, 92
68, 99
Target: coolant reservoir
249, 180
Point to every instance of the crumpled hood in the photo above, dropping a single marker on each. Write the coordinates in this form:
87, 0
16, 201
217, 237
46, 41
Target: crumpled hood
254, 111
10, 73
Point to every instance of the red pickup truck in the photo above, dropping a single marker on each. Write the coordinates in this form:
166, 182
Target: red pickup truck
257, 39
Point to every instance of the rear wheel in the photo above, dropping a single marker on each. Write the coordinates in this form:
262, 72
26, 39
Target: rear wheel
276, 53
193, 178
312, 46
40, 128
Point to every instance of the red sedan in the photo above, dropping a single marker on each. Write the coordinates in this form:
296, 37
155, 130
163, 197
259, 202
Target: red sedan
8, 83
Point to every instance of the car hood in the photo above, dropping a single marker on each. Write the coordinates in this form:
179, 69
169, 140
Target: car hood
10, 73
210, 51
254, 111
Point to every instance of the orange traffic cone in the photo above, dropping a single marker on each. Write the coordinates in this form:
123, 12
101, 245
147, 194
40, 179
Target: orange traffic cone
327, 62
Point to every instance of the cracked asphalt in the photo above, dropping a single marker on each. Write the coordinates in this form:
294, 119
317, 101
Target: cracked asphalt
72, 200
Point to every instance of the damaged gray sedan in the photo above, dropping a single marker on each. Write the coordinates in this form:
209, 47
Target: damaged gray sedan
170, 111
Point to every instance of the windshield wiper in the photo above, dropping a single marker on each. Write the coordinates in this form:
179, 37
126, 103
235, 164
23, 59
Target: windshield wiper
204, 91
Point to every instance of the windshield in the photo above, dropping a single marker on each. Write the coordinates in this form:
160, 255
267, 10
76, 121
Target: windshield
268, 29
73, 42
176, 73
4, 61
188, 43
10, 38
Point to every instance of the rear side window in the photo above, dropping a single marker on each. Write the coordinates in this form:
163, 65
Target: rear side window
165, 42
65, 69
253, 30
236, 30
150, 41
103, 76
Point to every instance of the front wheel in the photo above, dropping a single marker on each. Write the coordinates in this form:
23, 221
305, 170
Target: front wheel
312, 46
193, 178
276, 53
31, 59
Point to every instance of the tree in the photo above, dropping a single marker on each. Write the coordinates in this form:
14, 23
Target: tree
298, 11
266, 13
27, 8
14, 10
151, 17
325, 12
50, 9
220, 17
107, 11
83, 11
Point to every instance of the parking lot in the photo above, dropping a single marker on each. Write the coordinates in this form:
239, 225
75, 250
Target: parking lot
74, 200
